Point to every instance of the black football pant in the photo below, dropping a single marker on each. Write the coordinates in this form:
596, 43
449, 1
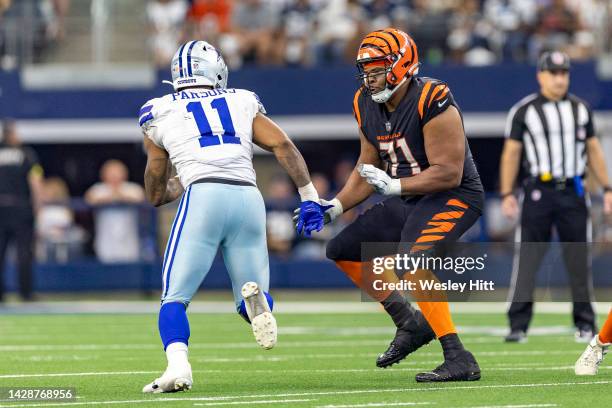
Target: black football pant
545, 206
21, 232
407, 220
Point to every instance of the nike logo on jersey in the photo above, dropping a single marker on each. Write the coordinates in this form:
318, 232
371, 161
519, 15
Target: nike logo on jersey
441, 104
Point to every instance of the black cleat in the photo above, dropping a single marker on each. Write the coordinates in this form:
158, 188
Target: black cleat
463, 367
516, 336
407, 340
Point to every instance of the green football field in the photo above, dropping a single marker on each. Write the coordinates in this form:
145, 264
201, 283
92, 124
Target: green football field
324, 360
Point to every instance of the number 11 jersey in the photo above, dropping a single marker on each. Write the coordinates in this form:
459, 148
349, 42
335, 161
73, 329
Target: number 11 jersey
208, 133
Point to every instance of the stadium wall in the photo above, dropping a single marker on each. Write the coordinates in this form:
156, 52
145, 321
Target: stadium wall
295, 97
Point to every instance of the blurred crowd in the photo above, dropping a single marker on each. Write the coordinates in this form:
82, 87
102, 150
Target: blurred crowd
314, 32
45, 22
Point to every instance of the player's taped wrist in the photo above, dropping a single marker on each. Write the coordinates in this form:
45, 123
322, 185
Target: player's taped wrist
395, 187
336, 210
308, 193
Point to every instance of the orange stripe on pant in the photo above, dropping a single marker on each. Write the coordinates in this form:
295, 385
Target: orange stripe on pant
437, 312
457, 203
362, 275
605, 334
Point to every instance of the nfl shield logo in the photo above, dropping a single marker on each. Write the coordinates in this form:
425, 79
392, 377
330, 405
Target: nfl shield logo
388, 126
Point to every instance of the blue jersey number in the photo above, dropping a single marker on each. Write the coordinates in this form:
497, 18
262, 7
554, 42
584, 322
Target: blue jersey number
206, 135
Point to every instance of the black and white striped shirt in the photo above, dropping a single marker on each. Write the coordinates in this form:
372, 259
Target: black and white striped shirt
553, 134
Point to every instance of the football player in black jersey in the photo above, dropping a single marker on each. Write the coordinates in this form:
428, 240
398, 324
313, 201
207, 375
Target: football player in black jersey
413, 150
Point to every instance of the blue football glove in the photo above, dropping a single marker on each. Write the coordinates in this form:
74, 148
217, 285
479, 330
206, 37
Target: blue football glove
310, 217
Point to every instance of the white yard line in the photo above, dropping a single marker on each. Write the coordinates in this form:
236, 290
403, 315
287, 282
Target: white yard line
251, 402
376, 404
90, 374
517, 406
321, 393
425, 365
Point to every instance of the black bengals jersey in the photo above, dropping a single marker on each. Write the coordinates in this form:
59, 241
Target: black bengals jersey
398, 135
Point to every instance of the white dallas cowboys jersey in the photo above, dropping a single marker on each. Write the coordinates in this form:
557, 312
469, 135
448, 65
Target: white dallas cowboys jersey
206, 132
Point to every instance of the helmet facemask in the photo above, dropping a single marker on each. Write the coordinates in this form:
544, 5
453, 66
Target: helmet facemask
378, 67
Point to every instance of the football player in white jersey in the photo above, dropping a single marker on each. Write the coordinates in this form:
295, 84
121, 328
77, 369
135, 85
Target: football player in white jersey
207, 131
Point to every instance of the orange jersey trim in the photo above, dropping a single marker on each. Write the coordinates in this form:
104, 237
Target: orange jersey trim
356, 106
435, 93
423, 97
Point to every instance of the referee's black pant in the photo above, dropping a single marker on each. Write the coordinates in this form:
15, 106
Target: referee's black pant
18, 228
545, 205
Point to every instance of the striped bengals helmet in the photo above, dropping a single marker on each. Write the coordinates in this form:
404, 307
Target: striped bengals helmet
396, 50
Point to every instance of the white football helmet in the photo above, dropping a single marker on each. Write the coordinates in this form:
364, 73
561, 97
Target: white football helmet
197, 63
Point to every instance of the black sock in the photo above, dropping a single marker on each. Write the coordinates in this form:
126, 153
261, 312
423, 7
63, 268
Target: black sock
399, 309
451, 345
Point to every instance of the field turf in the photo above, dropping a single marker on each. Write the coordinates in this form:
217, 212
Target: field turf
322, 360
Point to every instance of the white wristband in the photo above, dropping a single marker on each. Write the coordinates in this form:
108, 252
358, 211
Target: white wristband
336, 210
395, 188
308, 193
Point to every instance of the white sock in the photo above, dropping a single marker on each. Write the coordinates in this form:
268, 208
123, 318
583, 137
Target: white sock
176, 353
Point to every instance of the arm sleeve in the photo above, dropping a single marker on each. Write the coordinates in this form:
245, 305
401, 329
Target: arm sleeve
590, 125
435, 98
514, 125
146, 119
260, 108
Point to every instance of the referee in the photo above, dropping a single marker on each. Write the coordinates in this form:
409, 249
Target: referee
20, 181
556, 130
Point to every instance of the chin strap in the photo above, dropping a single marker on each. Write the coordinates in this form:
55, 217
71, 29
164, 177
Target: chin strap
168, 82
386, 94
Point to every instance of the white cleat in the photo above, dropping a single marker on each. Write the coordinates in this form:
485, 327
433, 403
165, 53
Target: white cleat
173, 380
260, 315
591, 358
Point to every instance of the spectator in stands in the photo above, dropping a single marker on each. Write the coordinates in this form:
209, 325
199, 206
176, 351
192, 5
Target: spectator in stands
280, 200
59, 238
20, 181
336, 26
468, 37
209, 18
555, 27
593, 18
429, 28
255, 23
299, 19
166, 19
4, 4
512, 23
116, 224
56, 26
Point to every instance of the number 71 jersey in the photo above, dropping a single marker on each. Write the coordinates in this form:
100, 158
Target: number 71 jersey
208, 133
